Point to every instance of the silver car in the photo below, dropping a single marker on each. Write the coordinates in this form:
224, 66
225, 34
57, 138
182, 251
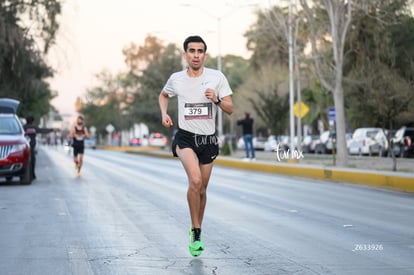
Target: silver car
362, 140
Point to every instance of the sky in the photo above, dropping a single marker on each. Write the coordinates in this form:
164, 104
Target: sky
94, 32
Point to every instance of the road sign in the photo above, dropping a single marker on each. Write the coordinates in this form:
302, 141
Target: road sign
331, 114
110, 128
304, 109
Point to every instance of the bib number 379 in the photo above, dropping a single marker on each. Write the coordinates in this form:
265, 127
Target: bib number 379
197, 111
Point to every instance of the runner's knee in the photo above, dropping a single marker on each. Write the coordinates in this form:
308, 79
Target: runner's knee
195, 184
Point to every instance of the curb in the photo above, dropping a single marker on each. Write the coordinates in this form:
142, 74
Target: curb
376, 179
388, 180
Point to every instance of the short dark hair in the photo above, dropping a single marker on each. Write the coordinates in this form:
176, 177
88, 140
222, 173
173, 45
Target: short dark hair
30, 119
194, 38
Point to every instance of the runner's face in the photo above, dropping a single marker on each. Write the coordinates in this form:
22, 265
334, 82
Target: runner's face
195, 55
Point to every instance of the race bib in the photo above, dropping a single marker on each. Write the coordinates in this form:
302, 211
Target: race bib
198, 111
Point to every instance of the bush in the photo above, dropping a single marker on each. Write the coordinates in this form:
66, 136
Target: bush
225, 149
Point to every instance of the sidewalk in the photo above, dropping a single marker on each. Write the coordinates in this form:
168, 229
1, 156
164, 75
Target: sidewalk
405, 165
362, 170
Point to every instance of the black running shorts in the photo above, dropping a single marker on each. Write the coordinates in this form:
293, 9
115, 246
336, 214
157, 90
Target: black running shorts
78, 147
205, 146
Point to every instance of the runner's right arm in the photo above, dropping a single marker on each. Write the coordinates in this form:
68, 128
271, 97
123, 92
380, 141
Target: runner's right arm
163, 102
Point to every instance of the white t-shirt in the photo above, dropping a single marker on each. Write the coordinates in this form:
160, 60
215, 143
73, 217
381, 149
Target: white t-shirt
197, 113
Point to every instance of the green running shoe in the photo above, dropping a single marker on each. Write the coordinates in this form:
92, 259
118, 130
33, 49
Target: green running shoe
196, 246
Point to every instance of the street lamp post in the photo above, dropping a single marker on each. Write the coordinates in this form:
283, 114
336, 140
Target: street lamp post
220, 112
291, 95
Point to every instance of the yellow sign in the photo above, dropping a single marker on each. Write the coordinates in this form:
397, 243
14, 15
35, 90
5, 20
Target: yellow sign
304, 109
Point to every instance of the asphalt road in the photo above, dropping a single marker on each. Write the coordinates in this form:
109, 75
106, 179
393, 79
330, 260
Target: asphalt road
127, 214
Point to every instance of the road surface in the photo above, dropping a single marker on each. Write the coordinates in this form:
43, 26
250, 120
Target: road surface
127, 214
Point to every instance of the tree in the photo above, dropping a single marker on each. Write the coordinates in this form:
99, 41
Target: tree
378, 68
276, 35
264, 91
22, 67
132, 96
149, 84
272, 109
138, 57
268, 37
319, 100
339, 15
236, 69
106, 103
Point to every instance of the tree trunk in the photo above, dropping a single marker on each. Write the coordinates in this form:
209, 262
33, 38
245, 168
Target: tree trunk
342, 151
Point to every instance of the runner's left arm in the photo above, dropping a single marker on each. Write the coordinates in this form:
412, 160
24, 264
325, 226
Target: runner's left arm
86, 133
226, 105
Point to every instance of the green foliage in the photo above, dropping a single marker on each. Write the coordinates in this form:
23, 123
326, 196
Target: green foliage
272, 109
318, 101
138, 90
267, 38
401, 37
145, 106
380, 95
225, 149
132, 97
378, 70
106, 103
22, 67
235, 68
379, 66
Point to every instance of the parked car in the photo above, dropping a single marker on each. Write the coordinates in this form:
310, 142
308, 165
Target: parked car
90, 143
323, 145
157, 139
309, 143
15, 157
135, 142
285, 142
259, 143
362, 140
402, 142
380, 144
271, 143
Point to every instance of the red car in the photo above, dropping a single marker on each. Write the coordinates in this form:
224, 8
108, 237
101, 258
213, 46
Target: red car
14, 148
135, 142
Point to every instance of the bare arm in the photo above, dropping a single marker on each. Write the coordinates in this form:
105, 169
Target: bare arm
86, 133
163, 102
72, 132
226, 103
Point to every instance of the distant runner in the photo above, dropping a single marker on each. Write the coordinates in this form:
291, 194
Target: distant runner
78, 133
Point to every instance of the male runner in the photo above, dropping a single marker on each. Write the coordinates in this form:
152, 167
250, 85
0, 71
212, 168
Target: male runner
78, 133
200, 91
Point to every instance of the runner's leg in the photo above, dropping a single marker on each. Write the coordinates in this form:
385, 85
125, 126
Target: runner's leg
189, 161
75, 156
80, 160
205, 177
